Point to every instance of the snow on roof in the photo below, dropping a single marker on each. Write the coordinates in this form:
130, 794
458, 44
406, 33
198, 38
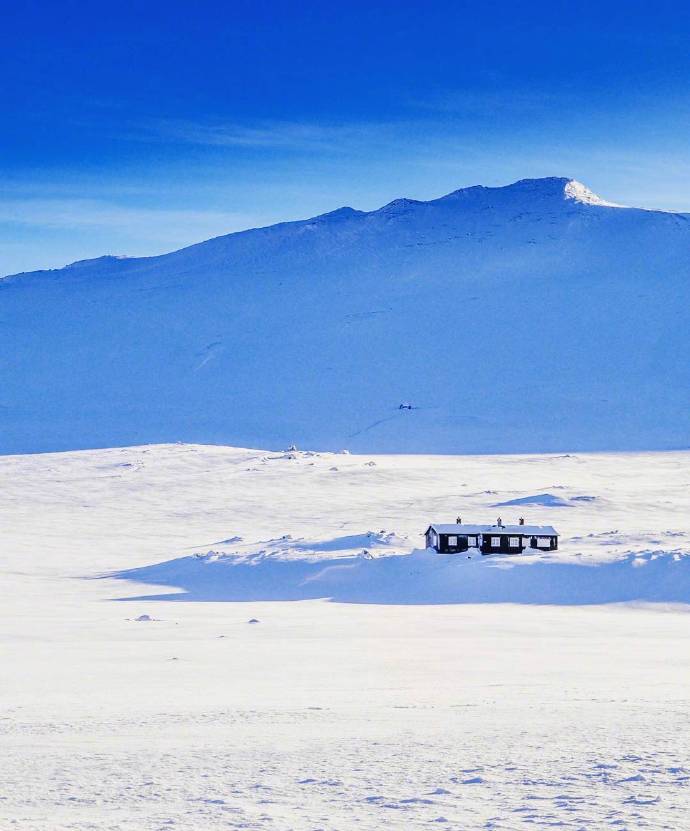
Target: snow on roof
459, 529
530, 530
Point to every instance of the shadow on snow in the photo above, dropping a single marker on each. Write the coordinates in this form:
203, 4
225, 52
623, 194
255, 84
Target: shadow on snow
423, 577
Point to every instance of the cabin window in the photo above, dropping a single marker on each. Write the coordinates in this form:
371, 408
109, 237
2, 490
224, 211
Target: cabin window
472, 542
543, 542
515, 542
495, 542
527, 542
453, 542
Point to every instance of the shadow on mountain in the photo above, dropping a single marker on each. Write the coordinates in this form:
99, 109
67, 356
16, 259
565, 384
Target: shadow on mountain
422, 577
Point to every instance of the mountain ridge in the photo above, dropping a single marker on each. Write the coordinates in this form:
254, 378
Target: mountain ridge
551, 187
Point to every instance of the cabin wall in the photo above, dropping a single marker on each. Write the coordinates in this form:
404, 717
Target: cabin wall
445, 546
530, 544
503, 547
551, 546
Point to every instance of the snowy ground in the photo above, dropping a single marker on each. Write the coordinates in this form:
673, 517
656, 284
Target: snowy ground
389, 711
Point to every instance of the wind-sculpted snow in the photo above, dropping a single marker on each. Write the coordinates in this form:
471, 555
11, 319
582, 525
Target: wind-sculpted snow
529, 318
423, 577
548, 500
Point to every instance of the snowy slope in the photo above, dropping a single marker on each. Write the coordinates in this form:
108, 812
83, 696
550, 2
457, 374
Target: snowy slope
534, 317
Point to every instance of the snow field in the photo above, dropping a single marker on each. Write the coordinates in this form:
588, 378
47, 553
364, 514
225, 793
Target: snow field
331, 715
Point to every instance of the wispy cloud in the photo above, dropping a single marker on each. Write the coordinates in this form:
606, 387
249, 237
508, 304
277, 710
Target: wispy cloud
92, 213
267, 134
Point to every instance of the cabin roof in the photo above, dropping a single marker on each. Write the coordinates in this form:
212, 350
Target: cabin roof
527, 530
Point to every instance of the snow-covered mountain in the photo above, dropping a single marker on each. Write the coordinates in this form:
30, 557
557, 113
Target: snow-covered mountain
532, 317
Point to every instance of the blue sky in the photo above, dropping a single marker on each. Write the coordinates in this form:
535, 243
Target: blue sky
137, 128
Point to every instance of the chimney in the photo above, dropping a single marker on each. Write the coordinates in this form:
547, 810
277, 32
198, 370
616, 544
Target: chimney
522, 520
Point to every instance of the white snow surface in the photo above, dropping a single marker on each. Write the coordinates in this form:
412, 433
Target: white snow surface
581, 193
528, 318
406, 707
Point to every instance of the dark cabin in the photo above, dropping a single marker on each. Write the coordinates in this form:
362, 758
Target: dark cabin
491, 539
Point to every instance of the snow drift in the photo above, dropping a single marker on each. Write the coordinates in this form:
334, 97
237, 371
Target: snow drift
423, 577
534, 317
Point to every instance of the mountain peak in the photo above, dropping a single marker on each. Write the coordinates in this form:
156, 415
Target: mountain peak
547, 187
398, 206
339, 213
559, 187
581, 193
